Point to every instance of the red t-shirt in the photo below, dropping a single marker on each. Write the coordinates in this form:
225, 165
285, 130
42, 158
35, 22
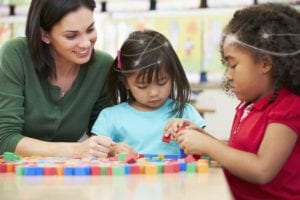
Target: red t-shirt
247, 135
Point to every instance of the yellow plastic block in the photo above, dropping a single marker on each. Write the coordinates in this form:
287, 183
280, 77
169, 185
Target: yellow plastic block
202, 166
161, 156
150, 169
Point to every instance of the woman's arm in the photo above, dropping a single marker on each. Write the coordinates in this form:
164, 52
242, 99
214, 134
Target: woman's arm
96, 146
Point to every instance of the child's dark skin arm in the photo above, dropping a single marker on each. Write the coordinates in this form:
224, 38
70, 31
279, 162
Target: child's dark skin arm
260, 168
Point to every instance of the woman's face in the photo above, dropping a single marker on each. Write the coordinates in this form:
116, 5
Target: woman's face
72, 39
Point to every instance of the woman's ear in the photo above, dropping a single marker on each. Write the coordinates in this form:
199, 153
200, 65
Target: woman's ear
45, 36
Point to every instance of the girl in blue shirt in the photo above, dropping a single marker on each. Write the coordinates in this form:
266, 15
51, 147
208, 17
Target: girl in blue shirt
149, 86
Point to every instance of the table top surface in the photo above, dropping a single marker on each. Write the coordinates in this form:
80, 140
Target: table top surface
211, 185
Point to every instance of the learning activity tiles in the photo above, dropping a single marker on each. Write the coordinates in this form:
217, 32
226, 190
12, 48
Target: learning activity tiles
123, 164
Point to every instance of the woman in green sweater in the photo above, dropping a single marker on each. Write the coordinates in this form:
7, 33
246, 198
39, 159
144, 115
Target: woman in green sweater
52, 83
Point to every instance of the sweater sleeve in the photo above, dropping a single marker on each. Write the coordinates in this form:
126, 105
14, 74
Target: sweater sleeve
11, 97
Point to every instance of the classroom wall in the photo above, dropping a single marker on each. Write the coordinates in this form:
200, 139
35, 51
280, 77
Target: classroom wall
219, 122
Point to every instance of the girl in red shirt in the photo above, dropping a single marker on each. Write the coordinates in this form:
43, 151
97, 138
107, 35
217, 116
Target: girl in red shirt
261, 48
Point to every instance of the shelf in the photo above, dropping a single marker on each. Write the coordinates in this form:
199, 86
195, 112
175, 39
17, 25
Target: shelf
202, 86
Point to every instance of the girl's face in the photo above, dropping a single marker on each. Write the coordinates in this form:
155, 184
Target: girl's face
249, 79
149, 96
73, 38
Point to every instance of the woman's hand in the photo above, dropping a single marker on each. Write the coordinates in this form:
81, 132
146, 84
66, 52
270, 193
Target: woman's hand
121, 147
95, 146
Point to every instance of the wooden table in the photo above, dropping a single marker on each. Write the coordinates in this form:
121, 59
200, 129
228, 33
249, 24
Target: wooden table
181, 186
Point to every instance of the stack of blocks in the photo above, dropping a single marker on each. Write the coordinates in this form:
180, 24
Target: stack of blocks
123, 164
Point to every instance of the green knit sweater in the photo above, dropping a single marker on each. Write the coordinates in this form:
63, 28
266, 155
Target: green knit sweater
30, 106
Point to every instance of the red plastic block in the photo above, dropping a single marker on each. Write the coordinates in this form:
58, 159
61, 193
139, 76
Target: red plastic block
50, 170
109, 171
196, 157
169, 168
3, 168
134, 169
95, 170
130, 159
189, 159
166, 139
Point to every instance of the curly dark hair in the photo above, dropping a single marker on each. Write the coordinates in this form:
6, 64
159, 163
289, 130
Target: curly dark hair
158, 53
255, 25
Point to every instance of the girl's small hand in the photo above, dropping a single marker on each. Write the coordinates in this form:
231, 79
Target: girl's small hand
193, 141
121, 148
96, 146
174, 125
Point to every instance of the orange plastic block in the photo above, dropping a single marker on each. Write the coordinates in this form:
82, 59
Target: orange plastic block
142, 168
10, 167
60, 169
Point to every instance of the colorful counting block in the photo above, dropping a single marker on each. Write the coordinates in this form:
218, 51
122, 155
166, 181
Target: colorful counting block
118, 170
32, 170
19, 170
202, 166
170, 168
135, 169
122, 157
50, 170
95, 170
3, 168
130, 159
182, 154
127, 168
69, 170
191, 167
82, 170
60, 169
9, 156
189, 159
161, 156
106, 170
151, 169
172, 156
10, 166
197, 157
166, 139
182, 166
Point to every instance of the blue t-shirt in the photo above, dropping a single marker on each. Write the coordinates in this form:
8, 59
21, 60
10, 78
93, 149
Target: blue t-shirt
143, 130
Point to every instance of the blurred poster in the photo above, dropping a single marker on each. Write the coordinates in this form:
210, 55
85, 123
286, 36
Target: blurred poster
214, 22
